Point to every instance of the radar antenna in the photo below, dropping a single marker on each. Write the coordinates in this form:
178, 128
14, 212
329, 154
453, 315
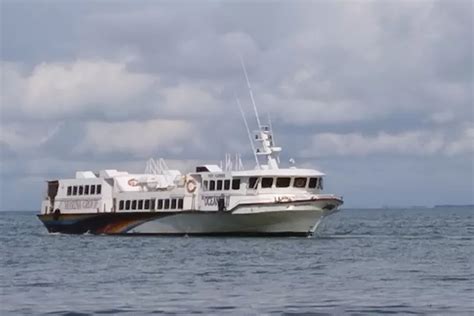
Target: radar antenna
271, 129
273, 135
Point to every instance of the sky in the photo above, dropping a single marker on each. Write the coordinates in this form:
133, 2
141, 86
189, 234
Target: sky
376, 94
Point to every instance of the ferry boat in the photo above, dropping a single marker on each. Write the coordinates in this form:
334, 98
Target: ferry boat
212, 200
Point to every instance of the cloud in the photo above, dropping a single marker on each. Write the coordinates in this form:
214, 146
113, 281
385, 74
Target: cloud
306, 111
138, 138
410, 143
58, 90
441, 117
188, 100
462, 145
21, 139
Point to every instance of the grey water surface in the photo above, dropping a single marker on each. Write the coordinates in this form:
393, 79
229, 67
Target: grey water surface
417, 261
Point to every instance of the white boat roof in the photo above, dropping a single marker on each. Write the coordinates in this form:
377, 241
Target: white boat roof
279, 172
213, 168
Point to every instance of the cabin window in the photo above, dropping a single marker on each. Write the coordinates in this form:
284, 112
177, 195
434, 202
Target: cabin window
267, 182
160, 204
252, 182
173, 204
127, 205
69, 190
205, 185
81, 190
86, 190
121, 205
300, 182
152, 204
283, 182
92, 189
212, 185
99, 188
219, 185
312, 183
147, 205
167, 204
180, 204
140, 205
74, 190
134, 204
320, 184
227, 184
235, 184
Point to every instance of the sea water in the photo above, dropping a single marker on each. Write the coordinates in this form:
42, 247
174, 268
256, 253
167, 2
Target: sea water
417, 261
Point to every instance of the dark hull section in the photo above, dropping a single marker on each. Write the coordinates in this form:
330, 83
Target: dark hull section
229, 234
100, 223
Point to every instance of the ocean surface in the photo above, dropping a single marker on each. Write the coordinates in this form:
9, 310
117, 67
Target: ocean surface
417, 261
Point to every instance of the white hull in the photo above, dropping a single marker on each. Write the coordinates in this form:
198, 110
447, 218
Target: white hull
284, 218
280, 222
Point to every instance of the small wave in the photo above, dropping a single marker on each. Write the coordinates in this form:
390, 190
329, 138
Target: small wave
390, 236
385, 309
447, 278
113, 311
382, 311
355, 236
68, 313
222, 307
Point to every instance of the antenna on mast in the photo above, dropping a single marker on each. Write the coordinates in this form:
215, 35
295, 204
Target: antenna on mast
273, 143
248, 132
271, 129
250, 92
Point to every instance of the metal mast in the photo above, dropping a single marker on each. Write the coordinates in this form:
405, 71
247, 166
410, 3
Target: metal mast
248, 132
250, 92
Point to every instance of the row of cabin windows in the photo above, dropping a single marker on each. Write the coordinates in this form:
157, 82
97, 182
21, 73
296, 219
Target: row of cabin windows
84, 189
219, 185
150, 204
285, 182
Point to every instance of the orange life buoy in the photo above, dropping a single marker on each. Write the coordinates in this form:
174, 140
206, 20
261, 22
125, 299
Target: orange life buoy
133, 182
191, 186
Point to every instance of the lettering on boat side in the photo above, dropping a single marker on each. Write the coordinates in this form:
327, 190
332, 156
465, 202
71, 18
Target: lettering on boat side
78, 204
214, 200
217, 175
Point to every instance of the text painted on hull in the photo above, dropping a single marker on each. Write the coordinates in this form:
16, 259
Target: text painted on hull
78, 204
214, 200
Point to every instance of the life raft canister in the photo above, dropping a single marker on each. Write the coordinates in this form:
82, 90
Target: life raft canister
191, 186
